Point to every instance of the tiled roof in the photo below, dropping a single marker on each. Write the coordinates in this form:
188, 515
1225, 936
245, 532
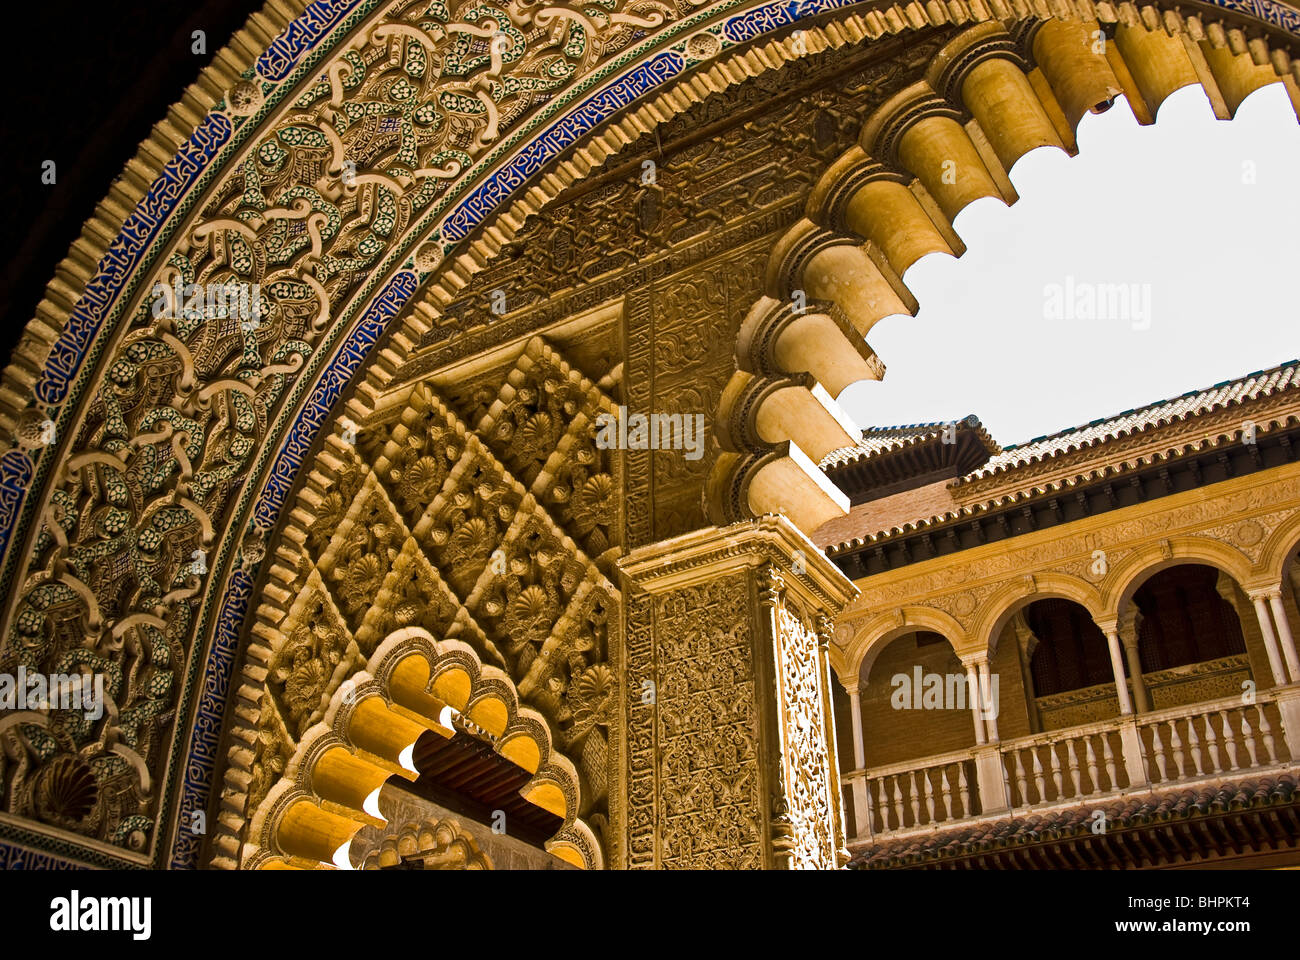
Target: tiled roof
1153, 415
1263, 383
1077, 821
880, 440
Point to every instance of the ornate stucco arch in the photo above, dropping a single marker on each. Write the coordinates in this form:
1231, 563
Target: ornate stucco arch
1135, 569
998, 609
881, 631
186, 497
992, 93
369, 728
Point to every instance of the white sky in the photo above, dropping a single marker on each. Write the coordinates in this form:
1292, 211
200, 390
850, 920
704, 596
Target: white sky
1163, 205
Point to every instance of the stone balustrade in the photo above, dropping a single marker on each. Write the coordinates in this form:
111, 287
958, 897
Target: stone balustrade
1188, 744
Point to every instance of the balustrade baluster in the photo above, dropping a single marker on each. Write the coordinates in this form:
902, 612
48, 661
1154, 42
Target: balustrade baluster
1056, 769
1092, 766
883, 804
1266, 733
1229, 741
1194, 746
1158, 749
963, 789
1113, 783
1248, 734
929, 795
1212, 744
1075, 776
1176, 745
897, 800
946, 788
914, 796
1022, 785
1039, 782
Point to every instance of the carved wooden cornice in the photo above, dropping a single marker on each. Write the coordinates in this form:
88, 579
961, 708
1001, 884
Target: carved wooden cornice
1122, 451
1152, 479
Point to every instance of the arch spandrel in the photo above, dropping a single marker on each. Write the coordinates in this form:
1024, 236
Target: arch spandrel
248, 406
1138, 567
877, 633
1279, 548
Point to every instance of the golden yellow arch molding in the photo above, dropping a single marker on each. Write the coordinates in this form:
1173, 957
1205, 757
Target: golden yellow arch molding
1124, 579
330, 787
993, 93
148, 460
880, 631
1278, 550
998, 609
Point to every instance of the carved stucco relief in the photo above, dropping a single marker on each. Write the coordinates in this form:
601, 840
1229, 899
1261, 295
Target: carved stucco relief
808, 763
709, 782
472, 534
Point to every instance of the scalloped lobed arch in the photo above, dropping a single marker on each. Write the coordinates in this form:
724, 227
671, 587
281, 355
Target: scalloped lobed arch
328, 789
992, 94
443, 838
291, 74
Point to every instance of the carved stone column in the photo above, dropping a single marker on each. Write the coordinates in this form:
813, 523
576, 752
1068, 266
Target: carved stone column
1285, 638
989, 774
1260, 599
1130, 740
987, 704
972, 685
732, 760
1111, 629
858, 784
1129, 626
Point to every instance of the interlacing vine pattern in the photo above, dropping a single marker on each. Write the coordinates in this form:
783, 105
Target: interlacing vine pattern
118, 566
179, 401
809, 803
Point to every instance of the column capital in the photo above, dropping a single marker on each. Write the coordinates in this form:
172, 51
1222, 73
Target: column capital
1107, 625
1265, 594
975, 659
792, 561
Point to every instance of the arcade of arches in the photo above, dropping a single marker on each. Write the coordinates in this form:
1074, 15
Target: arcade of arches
366, 587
